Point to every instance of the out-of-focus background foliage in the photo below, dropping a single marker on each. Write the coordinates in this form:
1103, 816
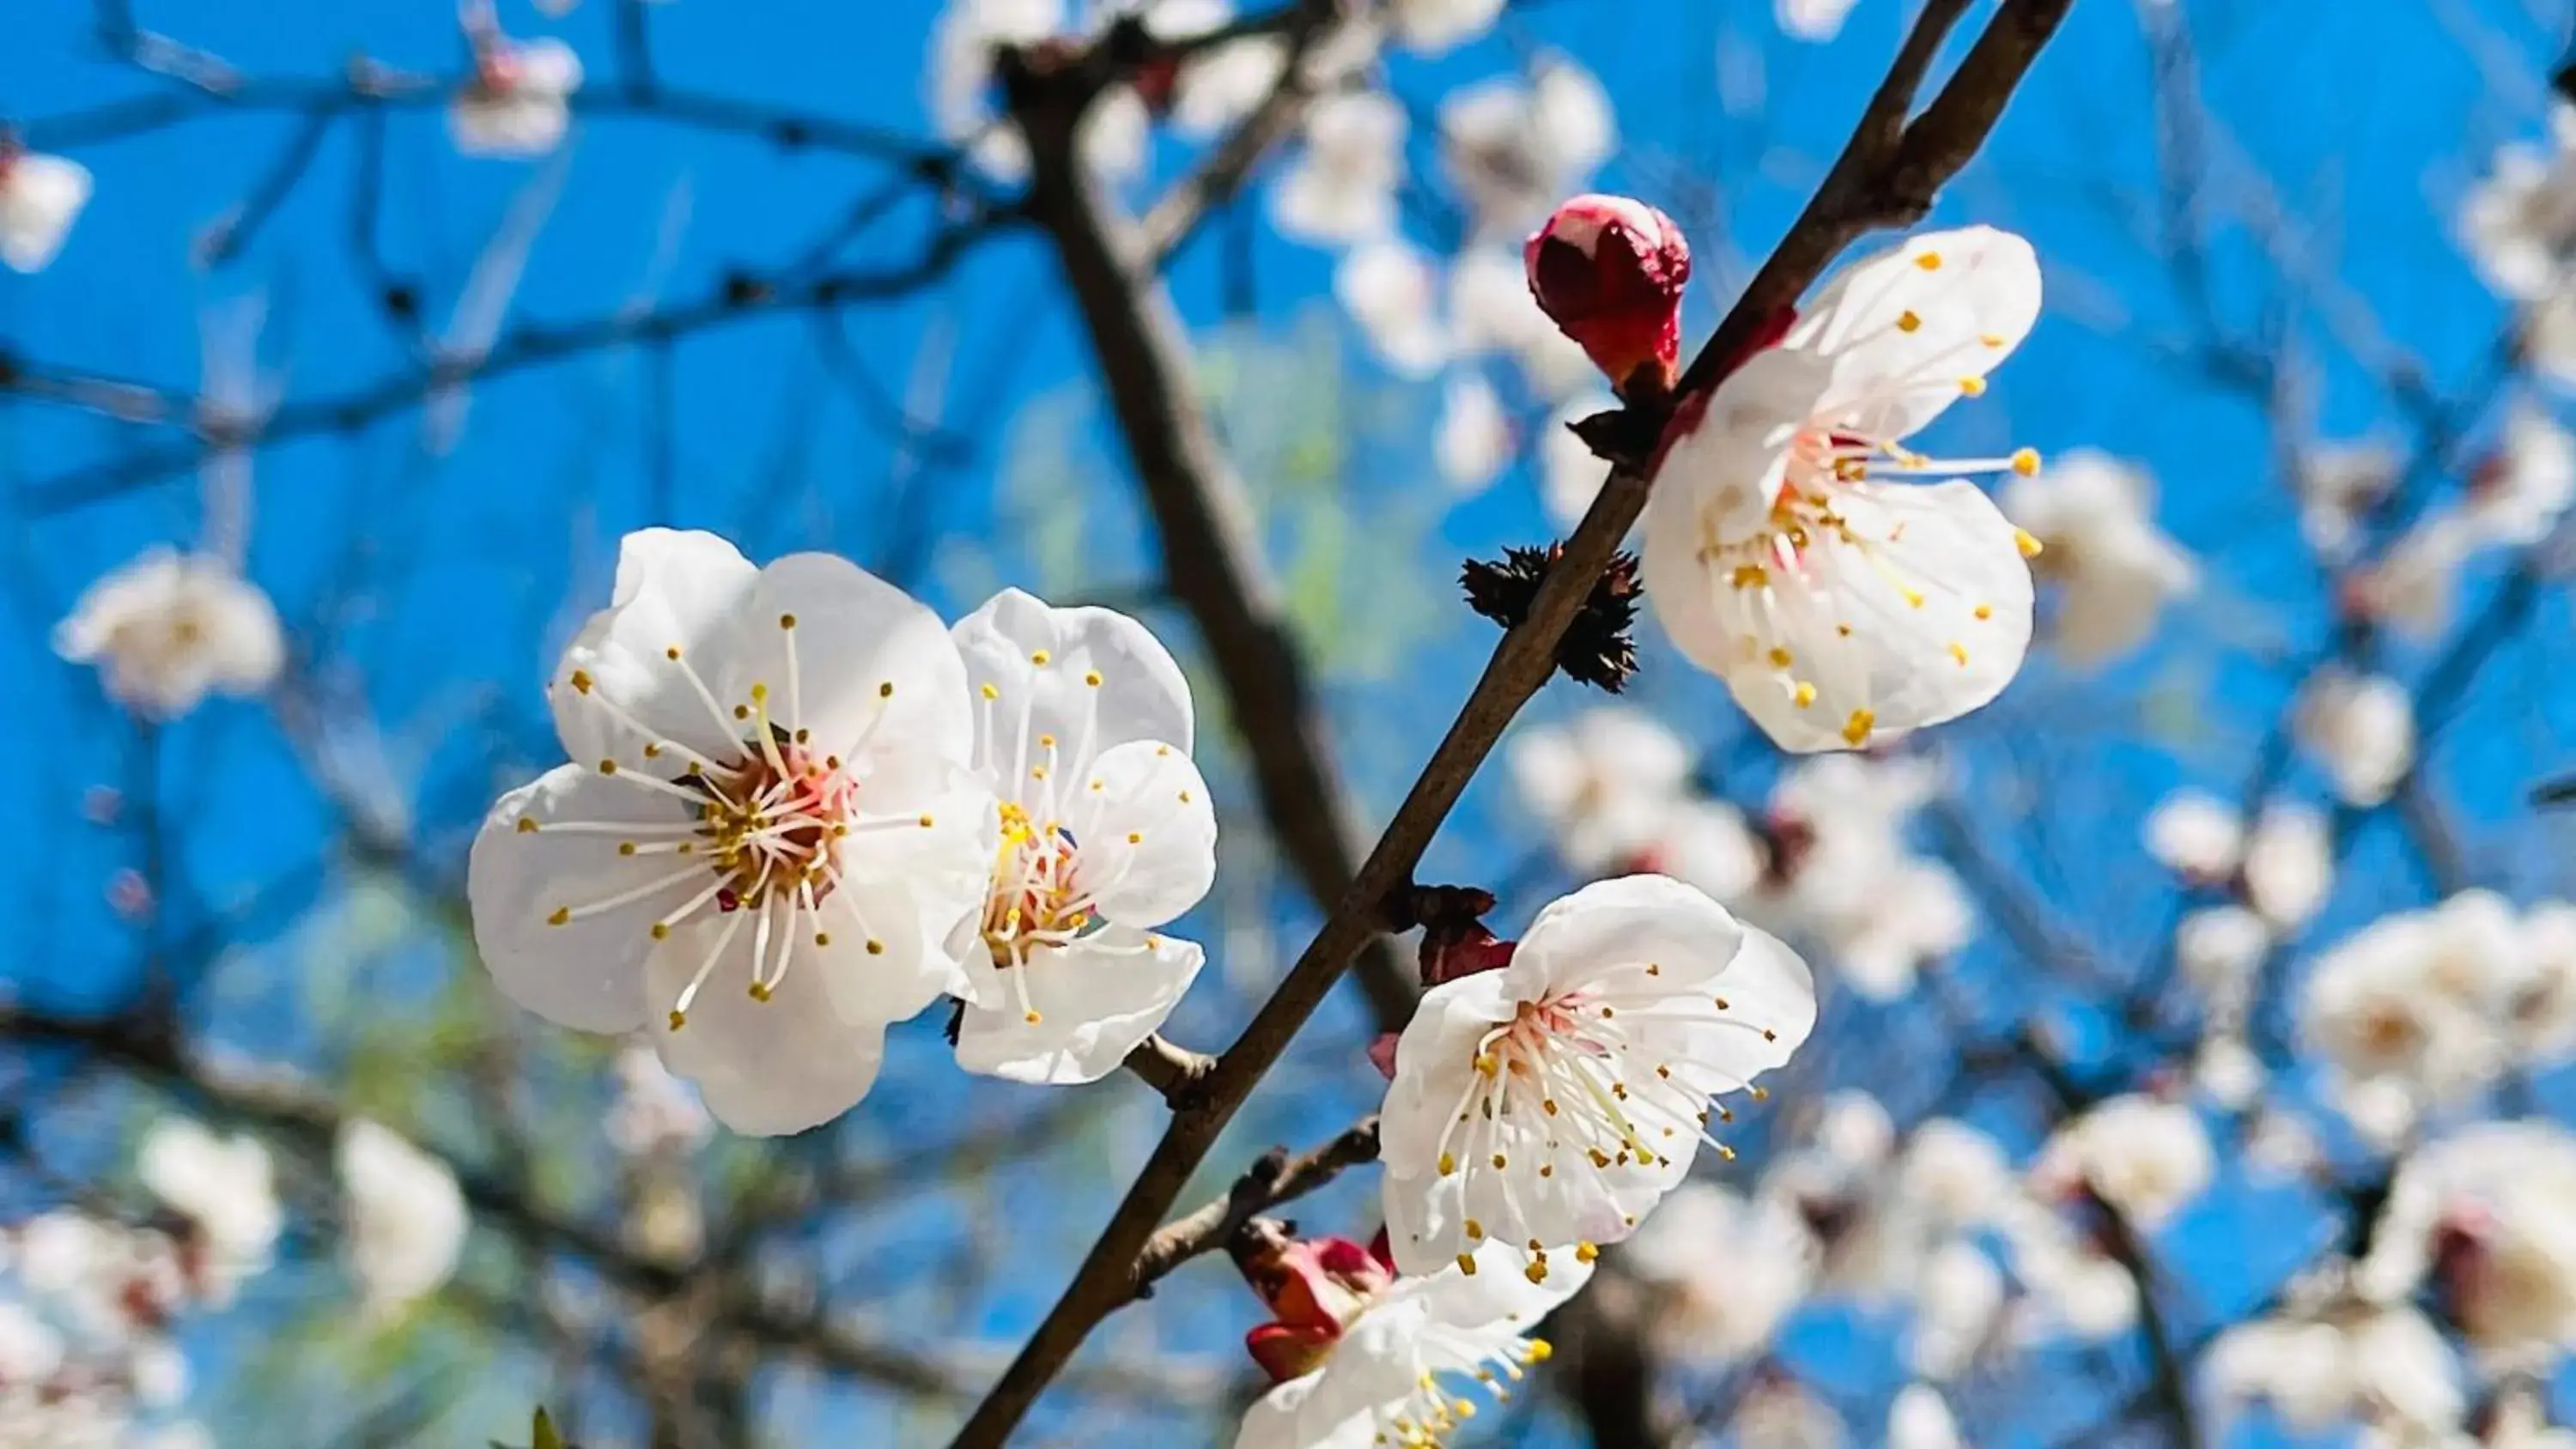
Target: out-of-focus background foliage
2262, 232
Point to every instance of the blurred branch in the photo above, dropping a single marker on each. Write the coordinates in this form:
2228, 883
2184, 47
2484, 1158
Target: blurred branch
1886, 176
1274, 1178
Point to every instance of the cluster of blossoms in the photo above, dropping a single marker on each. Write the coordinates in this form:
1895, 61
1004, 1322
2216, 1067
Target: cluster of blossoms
801, 810
1825, 863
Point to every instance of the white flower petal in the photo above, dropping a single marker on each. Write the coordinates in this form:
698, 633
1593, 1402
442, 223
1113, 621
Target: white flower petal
765, 1068
1971, 295
1095, 1000
40, 196
588, 972
618, 688
1147, 847
1142, 694
869, 661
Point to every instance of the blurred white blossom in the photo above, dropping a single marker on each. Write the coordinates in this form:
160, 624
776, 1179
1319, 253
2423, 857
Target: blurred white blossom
1727, 1270
168, 629
1516, 148
519, 100
1340, 187
2521, 220
1603, 784
2487, 1219
40, 197
406, 1216
2114, 570
2361, 728
1392, 290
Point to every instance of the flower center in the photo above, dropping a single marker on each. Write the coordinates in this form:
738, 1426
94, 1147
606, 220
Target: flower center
1035, 900
1426, 1418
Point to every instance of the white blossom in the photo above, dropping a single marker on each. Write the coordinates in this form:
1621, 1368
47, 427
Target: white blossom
519, 100
2361, 728
2386, 1365
1727, 1270
406, 1216
2196, 834
2521, 220
1083, 730
40, 197
1953, 1174
224, 1186
2229, 1071
1834, 603
1554, 1101
1515, 149
2541, 1015
1604, 785
2146, 1158
769, 793
1843, 879
2289, 864
1433, 26
1340, 188
1780, 1413
2113, 568
2407, 1011
963, 44
1391, 288
1491, 311
2336, 482
1399, 1370
1919, 1418
2489, 1214
1222, 84
1812, 20
1958, 1303
1473, 440
1705, 844
168, 629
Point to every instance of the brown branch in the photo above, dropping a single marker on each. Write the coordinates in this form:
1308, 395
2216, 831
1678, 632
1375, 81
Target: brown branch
1274, 1178
1138, 338
1171, 1069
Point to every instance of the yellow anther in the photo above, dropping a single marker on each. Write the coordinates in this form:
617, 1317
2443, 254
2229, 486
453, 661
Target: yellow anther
581, 680
1804, 695
1462, 1408
991, 693
679, 1019
742, 711
787, 621
1032, 1017
1135, 837
1985, 611
1535, 1272
1781, 658
1972, 387
527, 826
925, 820
1750, 576
1929, 261
1501, 1161
626, 847
1959, 652
652, 751
2025, 461
561, 915
1448, 1164
1485, 1063
885, 690
822, 938
1913, 598
760, 991
1185, 797
1908, 322
1467, 1264
608, 767
1475, 1231
1046, 742
1856, 729
1039, 656
1585, 1252
1991, 339
661, 931
759, 692
1550, 1105
2027, 542
875, 946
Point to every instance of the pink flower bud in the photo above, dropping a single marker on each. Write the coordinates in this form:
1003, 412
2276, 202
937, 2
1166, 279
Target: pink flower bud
1609, 271
1314, 1289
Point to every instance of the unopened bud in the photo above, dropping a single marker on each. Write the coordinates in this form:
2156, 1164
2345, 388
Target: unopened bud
1609, 271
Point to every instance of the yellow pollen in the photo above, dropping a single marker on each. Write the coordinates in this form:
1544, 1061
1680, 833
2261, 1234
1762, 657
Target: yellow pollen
875, 947
671, 653
1985, 611
1485, 1063
626, 847
1475, 1231
561, 915
661, 932
1037, 772
1448, 1164
1501, 1161
1046, 742
1759, 1094
679, 1019
742, 711
1462, 1408
886, 690
1540, 1350
1804, 695
1039, 656
991, 693
1092, 679
1991, 339
1550, 1105
1185, 797
1929, 261
581, 680
1781, 658
2025, 461
1032, 1017
1135, 838
608, 767
822, 938
1914, 598
1972, 387
759, 692
759, 991
1959, 652
787, 621
1856, 729
652, 751
2027, 542
1750, 576
1585, 1252
1908, 322
527, 826
1843, 629
925, 820
1535, 1272
1467, 1264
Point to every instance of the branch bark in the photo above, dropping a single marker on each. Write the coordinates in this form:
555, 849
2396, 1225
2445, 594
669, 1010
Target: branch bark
1886, 175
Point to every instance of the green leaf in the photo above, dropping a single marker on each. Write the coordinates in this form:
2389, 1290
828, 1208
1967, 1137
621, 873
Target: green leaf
543, 1434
